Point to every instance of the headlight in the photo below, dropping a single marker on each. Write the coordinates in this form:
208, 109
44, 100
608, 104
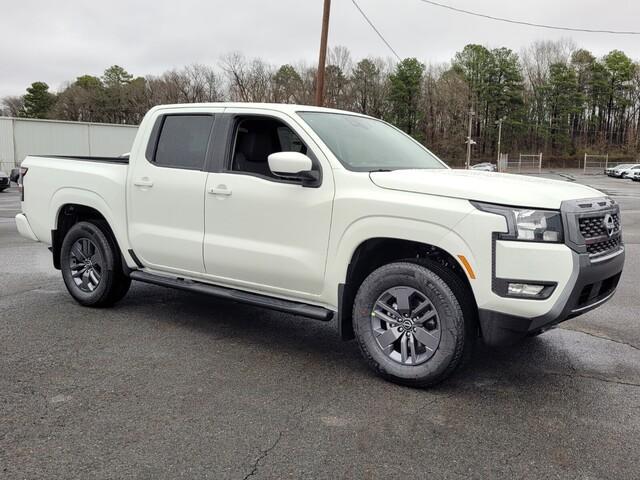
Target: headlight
527, 224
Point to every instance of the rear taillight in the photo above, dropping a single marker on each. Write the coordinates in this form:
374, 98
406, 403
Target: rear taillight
23, 173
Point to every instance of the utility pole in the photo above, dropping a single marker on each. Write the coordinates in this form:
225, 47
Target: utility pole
323, 54
468, 164
499, 122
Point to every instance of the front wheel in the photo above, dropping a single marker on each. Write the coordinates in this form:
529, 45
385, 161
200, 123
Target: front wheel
414, 322
91, 265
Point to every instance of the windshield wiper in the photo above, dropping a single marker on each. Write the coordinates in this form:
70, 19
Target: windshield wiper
381, 170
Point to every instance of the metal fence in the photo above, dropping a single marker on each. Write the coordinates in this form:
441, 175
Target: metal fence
20, 137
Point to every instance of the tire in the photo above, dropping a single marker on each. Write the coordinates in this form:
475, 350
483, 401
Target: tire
454, 323
91, 265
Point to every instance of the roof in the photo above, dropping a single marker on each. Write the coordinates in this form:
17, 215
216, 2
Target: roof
281, 107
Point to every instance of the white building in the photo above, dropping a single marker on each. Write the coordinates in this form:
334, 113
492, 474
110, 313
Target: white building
20, 137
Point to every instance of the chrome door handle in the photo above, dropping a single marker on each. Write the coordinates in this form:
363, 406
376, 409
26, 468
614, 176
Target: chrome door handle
143, 182
219, 190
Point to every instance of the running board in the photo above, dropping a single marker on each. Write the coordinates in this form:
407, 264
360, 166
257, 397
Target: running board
310, 311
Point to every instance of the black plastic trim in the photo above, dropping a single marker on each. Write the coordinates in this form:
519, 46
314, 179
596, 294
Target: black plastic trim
56, 244
121, 160
303, 309
345, 322
504, 329
135, 259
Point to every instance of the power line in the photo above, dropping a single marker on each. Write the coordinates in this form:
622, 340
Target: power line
529, 24
376, 30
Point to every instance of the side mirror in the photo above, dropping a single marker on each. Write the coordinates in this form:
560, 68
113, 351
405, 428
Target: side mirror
294, 166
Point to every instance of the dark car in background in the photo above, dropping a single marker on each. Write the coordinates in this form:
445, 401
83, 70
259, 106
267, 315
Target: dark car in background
14, 175
4, 181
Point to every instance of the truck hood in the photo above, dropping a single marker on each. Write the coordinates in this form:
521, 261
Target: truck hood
490, 187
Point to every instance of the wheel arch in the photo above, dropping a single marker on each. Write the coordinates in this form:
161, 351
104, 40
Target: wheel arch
70, 206
375, 252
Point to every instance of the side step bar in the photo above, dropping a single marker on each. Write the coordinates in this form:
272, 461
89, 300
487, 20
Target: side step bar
310, 311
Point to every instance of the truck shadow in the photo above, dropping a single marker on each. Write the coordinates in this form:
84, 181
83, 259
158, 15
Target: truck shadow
306, 340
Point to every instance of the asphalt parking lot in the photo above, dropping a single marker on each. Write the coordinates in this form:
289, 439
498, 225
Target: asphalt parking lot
171, 385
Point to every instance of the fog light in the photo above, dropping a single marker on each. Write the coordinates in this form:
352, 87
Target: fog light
525, 289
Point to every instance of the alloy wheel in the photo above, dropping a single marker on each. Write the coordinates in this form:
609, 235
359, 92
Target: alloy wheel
406, 325
86, 264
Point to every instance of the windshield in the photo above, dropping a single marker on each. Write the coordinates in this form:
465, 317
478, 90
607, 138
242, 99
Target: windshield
366, 144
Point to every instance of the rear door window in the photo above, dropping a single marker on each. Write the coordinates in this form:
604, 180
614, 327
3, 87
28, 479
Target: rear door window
183, 141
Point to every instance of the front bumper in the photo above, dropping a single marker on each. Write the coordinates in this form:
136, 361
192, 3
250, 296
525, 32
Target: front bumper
591, 285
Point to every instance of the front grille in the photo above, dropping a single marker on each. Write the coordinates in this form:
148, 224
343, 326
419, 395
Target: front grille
4, 181
591, 227
603, 247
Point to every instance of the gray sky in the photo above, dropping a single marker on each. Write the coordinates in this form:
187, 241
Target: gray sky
58, 41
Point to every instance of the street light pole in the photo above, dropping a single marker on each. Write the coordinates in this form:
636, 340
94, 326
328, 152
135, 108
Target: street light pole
499, 122
468, 164
322, 58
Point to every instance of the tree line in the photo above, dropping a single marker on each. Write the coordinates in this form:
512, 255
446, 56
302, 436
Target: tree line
552, 97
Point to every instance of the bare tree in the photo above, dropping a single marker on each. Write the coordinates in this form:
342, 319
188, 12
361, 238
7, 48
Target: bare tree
12, 105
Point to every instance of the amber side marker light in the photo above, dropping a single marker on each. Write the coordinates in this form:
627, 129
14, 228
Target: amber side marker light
467, 266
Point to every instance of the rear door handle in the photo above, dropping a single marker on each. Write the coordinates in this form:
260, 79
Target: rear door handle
220, 190
143, 182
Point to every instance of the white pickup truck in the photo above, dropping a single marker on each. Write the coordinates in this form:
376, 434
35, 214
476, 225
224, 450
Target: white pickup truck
325, 214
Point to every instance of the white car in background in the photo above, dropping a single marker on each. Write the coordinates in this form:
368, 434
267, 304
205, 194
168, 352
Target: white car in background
610, 171
484, 167
627, 172
618, 169
635, 175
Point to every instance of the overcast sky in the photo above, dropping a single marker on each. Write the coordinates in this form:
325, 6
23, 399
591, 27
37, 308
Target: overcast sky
56, 41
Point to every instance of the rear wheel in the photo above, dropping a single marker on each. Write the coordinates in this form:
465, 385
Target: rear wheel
414, 322
91, 265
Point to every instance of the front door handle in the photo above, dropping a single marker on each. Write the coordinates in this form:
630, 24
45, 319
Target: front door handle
220, 190
143, 182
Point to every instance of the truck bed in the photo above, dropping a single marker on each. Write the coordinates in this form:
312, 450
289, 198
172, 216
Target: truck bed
53, 181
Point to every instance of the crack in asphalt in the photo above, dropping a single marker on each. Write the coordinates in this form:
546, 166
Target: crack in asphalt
263, 454
593, 377
602, 337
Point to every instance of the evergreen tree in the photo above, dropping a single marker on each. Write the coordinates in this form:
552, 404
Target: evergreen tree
38, 101
404, 94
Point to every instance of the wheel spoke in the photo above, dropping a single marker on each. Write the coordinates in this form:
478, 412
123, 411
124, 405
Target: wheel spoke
84, 285
412, 349
428, 316
404, 348
426, 338
386, 318
416, 312
94, 278
402, 299
388, 337
384, 306
77, 252
79, 273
